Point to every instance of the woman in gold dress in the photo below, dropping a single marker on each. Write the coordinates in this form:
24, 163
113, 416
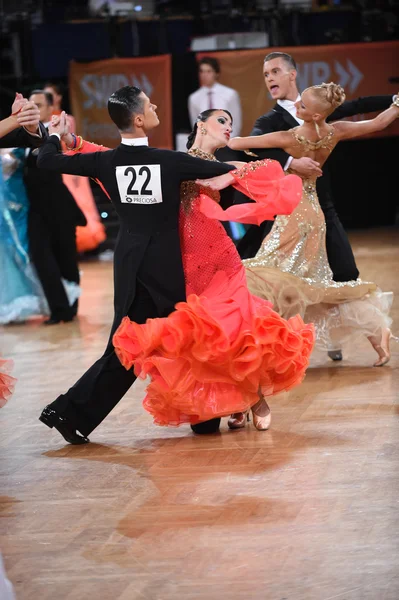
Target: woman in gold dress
291, 268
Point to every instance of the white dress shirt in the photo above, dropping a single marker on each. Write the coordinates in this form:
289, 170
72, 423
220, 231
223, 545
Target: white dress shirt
289, 106
141, 141
217, 96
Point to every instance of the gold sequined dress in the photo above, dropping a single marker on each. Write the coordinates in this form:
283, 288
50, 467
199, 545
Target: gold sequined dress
291, 270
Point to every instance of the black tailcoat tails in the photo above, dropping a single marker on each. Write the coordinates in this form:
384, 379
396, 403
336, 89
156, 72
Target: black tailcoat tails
144, 185
339, 251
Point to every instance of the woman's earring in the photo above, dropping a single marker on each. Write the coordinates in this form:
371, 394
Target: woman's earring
203, 130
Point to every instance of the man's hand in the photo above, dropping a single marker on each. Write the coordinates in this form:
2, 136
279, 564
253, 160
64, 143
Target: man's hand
59, 125
306, 167
29, 117
217, 183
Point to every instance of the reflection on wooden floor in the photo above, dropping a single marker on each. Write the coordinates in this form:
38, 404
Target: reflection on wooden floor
306, 511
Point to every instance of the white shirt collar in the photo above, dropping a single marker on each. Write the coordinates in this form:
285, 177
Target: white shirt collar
142, 141
47, 125
288, 103
212, 88
289, 106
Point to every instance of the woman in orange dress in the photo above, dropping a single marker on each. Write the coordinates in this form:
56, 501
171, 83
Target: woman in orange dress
223, 348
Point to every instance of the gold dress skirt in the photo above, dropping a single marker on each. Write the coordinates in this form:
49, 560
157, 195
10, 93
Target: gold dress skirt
291, 270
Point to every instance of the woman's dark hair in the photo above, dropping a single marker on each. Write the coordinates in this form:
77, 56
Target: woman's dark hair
212, 62
57, 87
123, 104
202, 118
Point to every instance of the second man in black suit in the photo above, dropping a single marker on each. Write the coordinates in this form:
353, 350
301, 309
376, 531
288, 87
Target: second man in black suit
52, 221
280, 73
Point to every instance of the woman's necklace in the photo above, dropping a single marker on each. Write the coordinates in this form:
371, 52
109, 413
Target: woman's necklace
201, 154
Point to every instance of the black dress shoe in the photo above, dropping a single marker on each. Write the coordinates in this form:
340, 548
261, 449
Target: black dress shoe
335, 354
56, 320
211, 426
51, 418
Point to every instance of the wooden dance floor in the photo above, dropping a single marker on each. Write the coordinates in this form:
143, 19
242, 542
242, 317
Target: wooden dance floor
306, 511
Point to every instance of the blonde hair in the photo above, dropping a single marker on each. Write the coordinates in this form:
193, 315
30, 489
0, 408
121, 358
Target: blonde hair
329, 95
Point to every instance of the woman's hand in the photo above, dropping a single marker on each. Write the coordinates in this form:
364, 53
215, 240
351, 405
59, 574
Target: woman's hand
18, 104
216, 183
29, 117
59, 125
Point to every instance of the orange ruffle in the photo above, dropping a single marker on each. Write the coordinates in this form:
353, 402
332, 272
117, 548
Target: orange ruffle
209, 357
7, 382
274, 192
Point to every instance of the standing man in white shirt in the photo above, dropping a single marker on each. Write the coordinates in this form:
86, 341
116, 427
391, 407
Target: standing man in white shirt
213, 94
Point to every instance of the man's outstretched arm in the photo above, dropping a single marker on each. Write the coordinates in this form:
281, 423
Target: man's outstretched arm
50, 157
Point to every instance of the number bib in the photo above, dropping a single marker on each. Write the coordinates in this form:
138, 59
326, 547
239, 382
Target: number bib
139, 184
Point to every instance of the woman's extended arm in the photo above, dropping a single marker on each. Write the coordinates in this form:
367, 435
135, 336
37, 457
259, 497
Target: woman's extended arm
277, 139
347, 130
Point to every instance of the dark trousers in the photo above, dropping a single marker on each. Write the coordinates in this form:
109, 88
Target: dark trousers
339, 252
52, 247
99, 390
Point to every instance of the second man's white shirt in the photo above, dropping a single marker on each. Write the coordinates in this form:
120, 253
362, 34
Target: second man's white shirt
289, 106
222, 97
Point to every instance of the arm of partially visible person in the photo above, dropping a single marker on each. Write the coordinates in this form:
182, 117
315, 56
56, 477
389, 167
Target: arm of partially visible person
22, 128
76, 144
23, 114
346, 130
361, 106
61, 124
8, 125
305, 166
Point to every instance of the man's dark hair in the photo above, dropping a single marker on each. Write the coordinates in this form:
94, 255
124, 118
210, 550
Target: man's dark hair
49, 97
286, 57
212, 62
123, 104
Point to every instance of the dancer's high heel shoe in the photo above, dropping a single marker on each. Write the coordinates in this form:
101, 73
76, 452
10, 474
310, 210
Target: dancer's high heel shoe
261, 423
381, 346
238, 420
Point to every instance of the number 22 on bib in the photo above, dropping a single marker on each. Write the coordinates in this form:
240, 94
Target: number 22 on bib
139, 184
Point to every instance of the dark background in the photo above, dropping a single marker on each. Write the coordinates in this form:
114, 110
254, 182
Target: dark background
38, 39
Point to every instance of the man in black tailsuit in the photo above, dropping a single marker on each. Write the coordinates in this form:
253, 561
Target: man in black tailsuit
52, 221
280, 74
144, 185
